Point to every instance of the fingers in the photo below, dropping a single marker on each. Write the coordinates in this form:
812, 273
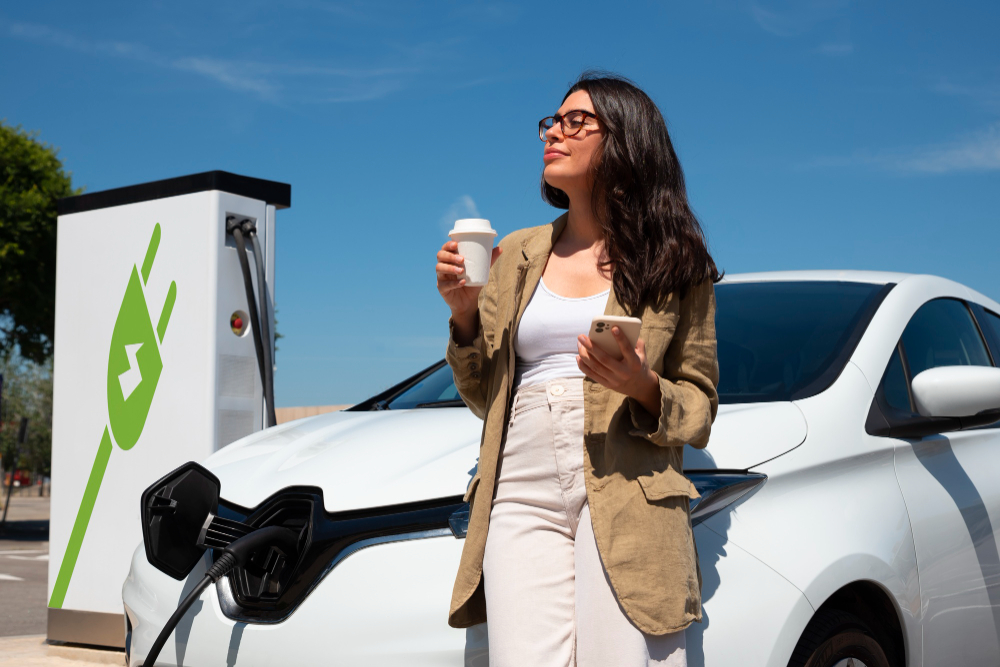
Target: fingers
450, 286
450, 263
450, 258
594, 362
628, 354
591, 351
496, 253
445, 270
593, 372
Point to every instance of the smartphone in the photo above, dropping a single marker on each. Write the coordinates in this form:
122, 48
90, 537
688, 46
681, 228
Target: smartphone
600, 332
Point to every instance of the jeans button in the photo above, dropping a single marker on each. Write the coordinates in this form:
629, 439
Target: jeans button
557, 390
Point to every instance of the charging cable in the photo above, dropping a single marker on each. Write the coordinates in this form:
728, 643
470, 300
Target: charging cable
258, 320
237, 553
265, 318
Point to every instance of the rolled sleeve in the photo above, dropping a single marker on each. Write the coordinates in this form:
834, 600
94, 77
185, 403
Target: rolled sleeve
471, 364
689, 399
467, 363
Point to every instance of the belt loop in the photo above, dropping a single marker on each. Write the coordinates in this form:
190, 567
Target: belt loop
513, 407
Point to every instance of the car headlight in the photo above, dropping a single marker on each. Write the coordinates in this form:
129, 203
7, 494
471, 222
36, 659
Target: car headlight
459, 521
719, 490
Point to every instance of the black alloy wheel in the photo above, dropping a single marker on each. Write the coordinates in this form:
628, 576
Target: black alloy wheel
836, 638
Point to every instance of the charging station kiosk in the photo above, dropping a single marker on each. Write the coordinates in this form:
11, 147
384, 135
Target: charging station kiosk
155, 365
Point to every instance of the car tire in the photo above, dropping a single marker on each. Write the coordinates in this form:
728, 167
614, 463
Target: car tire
834, 637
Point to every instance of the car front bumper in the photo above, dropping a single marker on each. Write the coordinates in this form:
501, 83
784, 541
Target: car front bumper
388, 605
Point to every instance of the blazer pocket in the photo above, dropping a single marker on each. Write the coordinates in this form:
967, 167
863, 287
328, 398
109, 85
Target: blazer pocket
471, 491
667, 483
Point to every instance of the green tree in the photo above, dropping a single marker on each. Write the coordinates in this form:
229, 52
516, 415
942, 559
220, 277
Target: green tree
32, 179
27, 392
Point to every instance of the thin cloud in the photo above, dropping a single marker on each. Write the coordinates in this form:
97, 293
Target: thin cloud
985, 94
228, 74
268, 81
358, 93
975, 152
797, 18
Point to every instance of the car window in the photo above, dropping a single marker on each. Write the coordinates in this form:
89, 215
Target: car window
894, 386
943, 333
991, 322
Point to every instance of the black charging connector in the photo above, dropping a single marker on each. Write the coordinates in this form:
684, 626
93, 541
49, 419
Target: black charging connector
237, 553
259, 320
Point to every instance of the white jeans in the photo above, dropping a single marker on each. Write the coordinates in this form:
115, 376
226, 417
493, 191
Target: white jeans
548, 599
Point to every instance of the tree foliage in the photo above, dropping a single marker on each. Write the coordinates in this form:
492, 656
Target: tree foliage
27, 392
32, 179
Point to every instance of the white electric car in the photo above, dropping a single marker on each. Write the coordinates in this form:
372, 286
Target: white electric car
848, 500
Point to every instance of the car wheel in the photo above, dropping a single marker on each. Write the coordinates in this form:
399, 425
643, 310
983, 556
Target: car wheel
837, 639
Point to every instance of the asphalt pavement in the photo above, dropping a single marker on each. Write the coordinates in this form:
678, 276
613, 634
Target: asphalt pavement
24, 563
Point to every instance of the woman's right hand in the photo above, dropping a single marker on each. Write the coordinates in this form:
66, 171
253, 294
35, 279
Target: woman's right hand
463, 301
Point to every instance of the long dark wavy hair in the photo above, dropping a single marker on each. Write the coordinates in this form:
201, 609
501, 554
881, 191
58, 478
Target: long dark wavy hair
652, 238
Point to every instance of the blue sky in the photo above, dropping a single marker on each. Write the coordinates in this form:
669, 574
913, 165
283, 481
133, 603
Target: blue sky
815, 134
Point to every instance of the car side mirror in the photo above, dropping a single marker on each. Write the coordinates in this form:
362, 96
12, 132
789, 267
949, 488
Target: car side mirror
174, 510
957, 391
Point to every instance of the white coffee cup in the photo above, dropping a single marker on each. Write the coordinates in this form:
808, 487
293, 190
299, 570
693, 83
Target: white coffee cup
475, 239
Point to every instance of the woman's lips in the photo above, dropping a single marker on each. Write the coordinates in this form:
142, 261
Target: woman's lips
551, 155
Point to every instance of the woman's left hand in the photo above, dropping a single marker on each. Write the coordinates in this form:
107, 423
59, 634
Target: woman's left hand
630, 375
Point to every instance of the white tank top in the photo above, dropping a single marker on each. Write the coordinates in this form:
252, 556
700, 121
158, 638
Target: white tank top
545, 346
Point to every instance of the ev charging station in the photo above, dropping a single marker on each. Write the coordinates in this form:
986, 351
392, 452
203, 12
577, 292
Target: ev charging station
155, 364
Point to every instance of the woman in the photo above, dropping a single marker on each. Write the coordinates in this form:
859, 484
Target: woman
579, 547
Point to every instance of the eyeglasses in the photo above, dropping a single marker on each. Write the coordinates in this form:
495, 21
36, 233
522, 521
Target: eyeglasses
571, 123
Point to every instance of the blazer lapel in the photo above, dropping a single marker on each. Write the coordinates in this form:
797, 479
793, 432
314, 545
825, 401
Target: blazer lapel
535, 250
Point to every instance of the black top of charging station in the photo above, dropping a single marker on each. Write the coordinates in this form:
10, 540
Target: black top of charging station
272, 192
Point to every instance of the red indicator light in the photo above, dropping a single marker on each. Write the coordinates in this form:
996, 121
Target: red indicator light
237, 322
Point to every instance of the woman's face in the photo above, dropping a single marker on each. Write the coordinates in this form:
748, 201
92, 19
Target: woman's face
568, 159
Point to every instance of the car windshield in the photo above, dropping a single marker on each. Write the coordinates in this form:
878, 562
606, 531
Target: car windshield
778, 341
435, 390
782, 341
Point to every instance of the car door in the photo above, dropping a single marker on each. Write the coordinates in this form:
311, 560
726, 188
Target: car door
949, 484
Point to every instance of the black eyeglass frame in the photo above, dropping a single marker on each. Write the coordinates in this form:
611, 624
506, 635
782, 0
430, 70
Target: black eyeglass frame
557, 118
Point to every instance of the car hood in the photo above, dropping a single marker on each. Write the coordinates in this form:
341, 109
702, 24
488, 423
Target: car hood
369, 459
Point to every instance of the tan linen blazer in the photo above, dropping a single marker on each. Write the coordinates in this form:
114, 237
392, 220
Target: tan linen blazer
638, 496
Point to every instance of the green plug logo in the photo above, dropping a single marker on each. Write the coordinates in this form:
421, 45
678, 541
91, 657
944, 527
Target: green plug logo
134, 367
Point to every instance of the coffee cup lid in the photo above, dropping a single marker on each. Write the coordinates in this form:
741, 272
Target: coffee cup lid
472, 226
